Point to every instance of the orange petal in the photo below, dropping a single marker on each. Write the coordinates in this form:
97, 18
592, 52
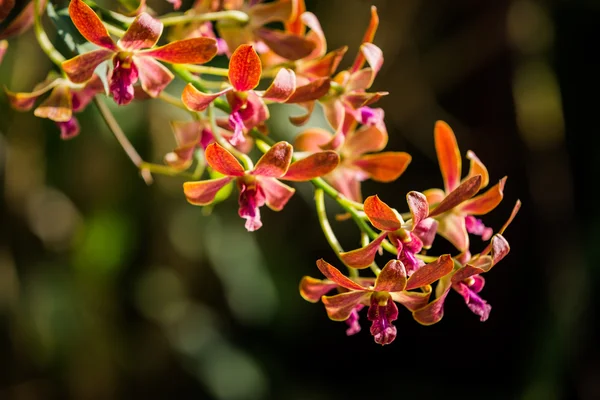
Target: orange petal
277, 194
313, 166
288, 46
244, 68
195, 100
477, 168
24, 101
57, 106
340, 306
367, 38
363, 257
382, 216
81, 68
89, 25
419, 208
311, 91
392, 277
154, 76
282, 87
431, 272
465, 191
189, 51
316, 35
486, 202
312, 139
452, 228
202, 193
311, 289
334, 274
384, 167
143, 33
223, 161
434, 311
275, 162
448, 155
367, 139
324, 66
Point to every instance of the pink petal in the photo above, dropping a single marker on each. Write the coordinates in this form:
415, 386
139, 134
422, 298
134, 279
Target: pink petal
367, 139
89, 25
154, 76
288, 46
374, 57
334, 113
465, 191
334, 274
195, 100
500, 248
312, 289
392, 277
363, 257
69, 129
282, 87
311, 91
347, 182
81, 68
25, 101
275, 162
452, 228
82, 97
367, 38
426, 231
3, 48
477, 168
316, 35
340, 306
384, 167
245, 68
431, 272
202, 193
223, 161
448, 155
465, 272
143, 33
419, 208
57, 106
485, 202
313, 166
188, 51
312, 140
276, 193
382, 216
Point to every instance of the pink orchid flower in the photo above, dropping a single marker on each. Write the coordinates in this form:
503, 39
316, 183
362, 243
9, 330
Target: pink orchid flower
65, 98
392, 285
134, 55
455, 224
260, 186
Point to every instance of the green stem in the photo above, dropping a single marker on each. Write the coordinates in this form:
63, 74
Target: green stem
246, 161
328, 231
121, 19
174, 101
364, 239
232, 15
42, 38
204, 69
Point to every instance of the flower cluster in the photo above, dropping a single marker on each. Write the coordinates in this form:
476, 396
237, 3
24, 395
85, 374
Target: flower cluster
124, 59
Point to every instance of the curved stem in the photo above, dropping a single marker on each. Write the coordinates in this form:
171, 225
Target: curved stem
172, 100
204, 69
328, 232
42, 38
232, 15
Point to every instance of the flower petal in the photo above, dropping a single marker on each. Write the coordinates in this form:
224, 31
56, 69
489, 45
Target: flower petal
311, 91
143, 33
153, 76
81, 68
357, 100
448, 155
286, 45
201, 193
340, 306
434, 196
412, 300
363, 257
311, 289
312, 140
316, 34
367, 139
500, 248
262, 14
313, 166
3, 48
419, 208
426, 231
189, 51
431, 272
367, 38
374, 57
89, 25
223, 161
275, 162
57, 106
452, 228
465, 191
386, 166
477, 168
23, 101
21, 22
347, 182
465, 272
324, 66
282, 87
196, 100
382, 216
334, 274
277, 194
244, 68
513, 214
392, 277
6, 7
434, 311
485, 202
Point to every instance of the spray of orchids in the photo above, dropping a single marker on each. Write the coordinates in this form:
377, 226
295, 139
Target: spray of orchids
119, 56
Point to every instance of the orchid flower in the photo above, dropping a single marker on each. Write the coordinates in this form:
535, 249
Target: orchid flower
189, 135
456, 223
392, 285
134, 55
247, 106
259, 186
360, 155
65, 98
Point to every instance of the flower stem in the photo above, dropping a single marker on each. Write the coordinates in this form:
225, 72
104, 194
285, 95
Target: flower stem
328, 231
118, 133
233, 15
172, 100
204, 69
42, 38
364, 239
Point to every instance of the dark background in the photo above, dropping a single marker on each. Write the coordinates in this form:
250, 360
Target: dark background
112, 289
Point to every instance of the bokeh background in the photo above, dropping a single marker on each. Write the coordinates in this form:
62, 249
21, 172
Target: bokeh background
112, 289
